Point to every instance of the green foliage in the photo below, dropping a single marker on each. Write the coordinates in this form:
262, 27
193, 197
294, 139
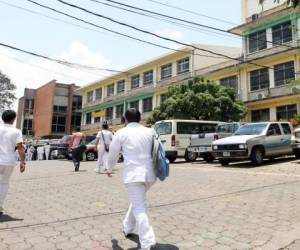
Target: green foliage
294, 3
199, 100
7, 92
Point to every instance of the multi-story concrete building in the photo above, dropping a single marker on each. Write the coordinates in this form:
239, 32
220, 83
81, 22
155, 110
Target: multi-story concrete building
49, 111
144, 85
270, 48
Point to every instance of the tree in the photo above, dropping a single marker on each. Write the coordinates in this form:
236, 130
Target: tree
294, 3
199, 100
7, 92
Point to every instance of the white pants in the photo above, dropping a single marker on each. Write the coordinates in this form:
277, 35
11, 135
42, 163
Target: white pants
47, 154
41, 156
102, 161
29, 156
5, 174
137, 213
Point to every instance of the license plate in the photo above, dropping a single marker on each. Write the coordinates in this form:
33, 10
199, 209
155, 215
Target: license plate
201, 149
226, 154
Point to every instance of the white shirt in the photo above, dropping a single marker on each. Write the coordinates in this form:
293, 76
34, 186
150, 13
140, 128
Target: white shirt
9, 138
135, 141
107, 137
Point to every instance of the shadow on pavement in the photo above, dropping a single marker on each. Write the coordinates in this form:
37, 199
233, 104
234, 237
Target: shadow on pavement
7, 218
135, 238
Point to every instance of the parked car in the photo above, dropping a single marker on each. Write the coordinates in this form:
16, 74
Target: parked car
175, 135
91, 152
255, 142
296, 142
201, 144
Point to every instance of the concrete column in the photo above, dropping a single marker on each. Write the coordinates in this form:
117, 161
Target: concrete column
271, 78
273, 116
141, 106
155, 76
174, 69
269, 38
244, 83
141, 79
154, 101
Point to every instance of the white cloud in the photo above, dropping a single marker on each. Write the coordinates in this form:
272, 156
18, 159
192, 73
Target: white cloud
34, 72
173, 34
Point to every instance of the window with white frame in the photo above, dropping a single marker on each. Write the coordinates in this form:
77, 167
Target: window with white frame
257, 41
119, 111
148, 77
166, 71
88, 118
90, 96
120, 86
110, 90
259, 79
261, 115
98, 94
147, 104
109, 113
134, 104
284, 73
135, 81
183, 66
230, 82
286, 112
282, 33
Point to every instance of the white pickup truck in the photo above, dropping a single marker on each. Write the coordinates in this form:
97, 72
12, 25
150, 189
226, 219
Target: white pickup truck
201, 144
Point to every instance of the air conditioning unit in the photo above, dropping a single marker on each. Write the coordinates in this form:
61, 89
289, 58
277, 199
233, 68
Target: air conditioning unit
254, 17
261, 96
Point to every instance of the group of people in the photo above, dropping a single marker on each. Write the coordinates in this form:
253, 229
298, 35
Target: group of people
134, 141
40, 153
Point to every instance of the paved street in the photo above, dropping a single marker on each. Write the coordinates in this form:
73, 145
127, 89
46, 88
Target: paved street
200, 206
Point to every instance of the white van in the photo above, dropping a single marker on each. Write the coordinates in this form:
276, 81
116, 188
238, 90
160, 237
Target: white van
175, 135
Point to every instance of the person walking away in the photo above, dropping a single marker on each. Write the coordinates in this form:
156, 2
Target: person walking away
136, 142
47, 150
77, 147
40, 152
10, 139
103, 141
32, 151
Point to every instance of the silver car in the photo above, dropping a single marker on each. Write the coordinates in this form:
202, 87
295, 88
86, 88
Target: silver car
254, 142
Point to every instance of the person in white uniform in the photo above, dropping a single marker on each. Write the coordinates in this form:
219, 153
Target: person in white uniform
104, 138
30, 152
47, 150
40, 152
10, 139
136, 142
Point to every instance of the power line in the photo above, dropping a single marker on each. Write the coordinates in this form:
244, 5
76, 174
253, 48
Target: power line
116, 32
192, 12
191, 22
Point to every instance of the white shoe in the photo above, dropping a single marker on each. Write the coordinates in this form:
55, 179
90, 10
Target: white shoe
97, 170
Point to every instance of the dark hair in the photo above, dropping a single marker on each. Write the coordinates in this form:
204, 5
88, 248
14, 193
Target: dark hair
9, 116
104, 126
132, 115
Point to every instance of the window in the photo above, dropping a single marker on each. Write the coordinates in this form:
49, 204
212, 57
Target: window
120, 86
27, 127
90, 96
58, 124
274, 129
135, 81
229, 82
88, 118
98, 94
259, 79
262, 115
76, 121
110, 90
286, 128
163, 97
97, 119
183, 66
282, 33
77, 102
59, 109
286, 112
119, 111
195, 128
109, 113
257, 41
163, 128
284, 73
147, 105
148, 77
166, 71
135, 105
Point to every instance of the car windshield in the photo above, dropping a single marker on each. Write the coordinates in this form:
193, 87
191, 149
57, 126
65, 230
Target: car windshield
93, 142
163, 128
251, 129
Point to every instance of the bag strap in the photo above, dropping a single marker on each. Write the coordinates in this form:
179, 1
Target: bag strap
103, 137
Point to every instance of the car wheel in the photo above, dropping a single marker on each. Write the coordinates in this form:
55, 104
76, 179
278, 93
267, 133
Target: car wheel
190, 156
257, 156
224, 162
209, 158
297, 153
90, 156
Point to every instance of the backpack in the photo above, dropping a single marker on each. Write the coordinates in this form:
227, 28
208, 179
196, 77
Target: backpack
160, 162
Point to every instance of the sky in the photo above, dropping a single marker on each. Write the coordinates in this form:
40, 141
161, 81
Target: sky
73, 41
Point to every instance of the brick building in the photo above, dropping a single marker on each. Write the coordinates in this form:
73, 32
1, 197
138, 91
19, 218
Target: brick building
49, 111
